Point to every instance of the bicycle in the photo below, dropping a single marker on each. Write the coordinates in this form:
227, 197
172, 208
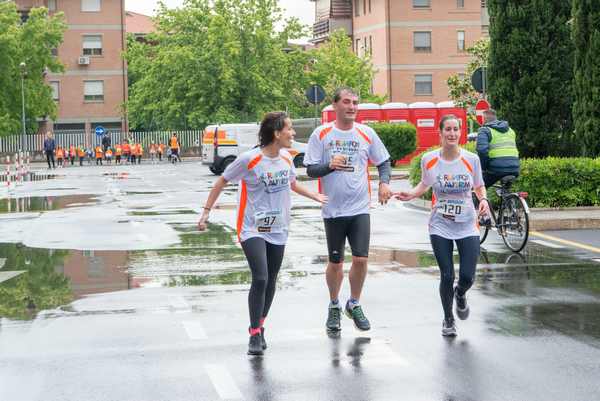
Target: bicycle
512, 219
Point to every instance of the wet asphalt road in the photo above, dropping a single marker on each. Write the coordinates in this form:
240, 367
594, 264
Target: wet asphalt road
116, 297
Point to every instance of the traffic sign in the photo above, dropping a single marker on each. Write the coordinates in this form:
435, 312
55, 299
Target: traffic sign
479, 80
100, 130
315, 94
481, 106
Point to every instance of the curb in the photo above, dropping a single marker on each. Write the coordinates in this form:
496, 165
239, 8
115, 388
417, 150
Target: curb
539, 218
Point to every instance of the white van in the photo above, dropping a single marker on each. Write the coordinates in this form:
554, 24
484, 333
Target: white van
219, 150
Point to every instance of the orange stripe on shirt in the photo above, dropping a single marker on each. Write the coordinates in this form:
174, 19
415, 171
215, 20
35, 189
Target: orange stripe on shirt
242, 210
254, 162
466, 163
431, 163
369, 183
324, 132
319, 186
287, 160
366, 138
433, 200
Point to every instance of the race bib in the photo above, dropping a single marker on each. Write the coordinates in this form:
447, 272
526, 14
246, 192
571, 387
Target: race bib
269, 221
456, 209
347, 148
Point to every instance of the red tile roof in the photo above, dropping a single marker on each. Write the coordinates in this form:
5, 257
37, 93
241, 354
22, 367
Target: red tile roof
138, 24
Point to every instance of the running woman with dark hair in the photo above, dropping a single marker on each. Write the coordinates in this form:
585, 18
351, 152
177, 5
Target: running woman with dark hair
267, 177
339, 154
454, 174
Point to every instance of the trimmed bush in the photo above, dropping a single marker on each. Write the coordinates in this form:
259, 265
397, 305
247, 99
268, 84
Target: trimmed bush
399, 139
550, 182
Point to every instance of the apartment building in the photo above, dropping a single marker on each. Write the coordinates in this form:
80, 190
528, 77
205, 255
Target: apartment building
415, 45
92, 89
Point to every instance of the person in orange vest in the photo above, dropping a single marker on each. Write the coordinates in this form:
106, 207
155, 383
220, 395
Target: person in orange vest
126, 150
139, 151
152, 151
72, 154
161, 151
60, 155
108, 154
99, 155
174, 145
81, 154
118, 153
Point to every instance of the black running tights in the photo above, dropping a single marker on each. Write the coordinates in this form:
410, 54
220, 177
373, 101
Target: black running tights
468, 252
265, 260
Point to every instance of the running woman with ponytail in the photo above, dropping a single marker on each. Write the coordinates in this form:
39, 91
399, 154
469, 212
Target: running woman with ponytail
454, 174
267, 178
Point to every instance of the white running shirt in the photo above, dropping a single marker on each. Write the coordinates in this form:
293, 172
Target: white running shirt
349, 191
263, 195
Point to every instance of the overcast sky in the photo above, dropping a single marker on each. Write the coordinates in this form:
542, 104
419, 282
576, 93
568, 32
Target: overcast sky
303, 9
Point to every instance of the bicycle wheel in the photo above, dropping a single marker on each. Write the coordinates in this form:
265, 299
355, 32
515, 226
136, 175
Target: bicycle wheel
514, 222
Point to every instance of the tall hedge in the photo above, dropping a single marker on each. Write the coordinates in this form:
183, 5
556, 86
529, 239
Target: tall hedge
399, 139
531, 72
586, 108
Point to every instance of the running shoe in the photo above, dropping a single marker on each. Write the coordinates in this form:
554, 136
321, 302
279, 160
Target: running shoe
358, 317
263, 342
462, 308
334, 318
448, 328
255, 345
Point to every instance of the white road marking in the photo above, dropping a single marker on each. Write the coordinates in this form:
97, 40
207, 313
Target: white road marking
194, 330
223, 382
548, 244
596, 260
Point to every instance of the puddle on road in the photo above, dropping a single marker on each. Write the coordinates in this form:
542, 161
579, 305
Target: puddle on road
142, 193
45, 203
31, 176
55, 278
162, 212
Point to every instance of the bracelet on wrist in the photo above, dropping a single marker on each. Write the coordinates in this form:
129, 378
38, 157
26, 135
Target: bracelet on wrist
206, 208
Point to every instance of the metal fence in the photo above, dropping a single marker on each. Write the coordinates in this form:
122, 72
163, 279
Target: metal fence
35, 142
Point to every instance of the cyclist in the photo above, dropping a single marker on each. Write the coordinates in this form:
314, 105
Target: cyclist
339, 155
453, 173
267, 175
497, 149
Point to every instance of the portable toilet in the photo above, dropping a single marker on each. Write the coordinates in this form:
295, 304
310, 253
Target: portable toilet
395, 112
369, 113
424, 116
449, 107
328, 114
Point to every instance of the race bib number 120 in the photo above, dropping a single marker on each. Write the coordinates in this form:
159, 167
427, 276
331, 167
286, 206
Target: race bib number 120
454, 208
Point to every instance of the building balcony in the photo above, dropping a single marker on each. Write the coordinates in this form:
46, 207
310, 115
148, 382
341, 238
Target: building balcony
323, 28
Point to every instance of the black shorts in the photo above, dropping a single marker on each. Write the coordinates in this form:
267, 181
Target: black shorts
356, 228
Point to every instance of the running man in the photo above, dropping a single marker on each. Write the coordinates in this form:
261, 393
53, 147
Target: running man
339, 154
174, 145
81, 154
453, 173
99, 155
60, 156
267, 175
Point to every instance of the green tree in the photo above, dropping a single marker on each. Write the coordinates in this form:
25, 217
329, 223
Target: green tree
30, 42
335, 64
213, 61
531, 72
586, 108
461, 90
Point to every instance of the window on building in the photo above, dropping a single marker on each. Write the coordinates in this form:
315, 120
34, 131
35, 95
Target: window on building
422, 41
423, 84
460, 40
421, 3
370, 45
92, 45
54, 52
91, 5
357, 48
51, 5
460, 3
93, 91
369, 6
55, 90
357, 8
364, 7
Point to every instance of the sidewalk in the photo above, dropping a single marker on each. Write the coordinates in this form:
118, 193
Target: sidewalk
546, 219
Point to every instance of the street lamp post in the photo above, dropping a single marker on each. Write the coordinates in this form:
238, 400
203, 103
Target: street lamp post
23, 67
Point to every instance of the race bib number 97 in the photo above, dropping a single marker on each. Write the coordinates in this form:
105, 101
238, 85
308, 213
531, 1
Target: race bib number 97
268, 222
